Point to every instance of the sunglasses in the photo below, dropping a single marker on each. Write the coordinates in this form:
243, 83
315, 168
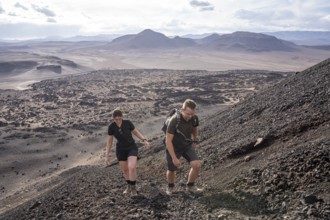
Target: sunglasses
120, 131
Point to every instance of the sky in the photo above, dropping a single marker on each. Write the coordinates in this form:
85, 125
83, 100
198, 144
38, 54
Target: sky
27, 19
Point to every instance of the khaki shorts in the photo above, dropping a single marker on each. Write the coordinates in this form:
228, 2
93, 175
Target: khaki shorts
189, 155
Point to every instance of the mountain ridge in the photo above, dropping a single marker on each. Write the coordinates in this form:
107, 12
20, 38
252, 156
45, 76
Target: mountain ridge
249, 41
241, 41
148, 39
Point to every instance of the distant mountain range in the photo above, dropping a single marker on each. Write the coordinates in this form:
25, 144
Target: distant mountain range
237, 41
310, 38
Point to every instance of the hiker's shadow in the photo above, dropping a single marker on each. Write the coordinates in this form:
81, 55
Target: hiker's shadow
243, 202
152, 198
155, 199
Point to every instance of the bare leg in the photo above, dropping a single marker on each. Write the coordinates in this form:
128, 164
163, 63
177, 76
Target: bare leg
170, 176
132, 163
194, 171
124, 168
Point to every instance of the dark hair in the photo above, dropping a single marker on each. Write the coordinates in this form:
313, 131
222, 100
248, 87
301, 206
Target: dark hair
117, 113
189, 103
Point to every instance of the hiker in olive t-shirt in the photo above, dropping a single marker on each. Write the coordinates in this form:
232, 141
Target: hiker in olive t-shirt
126, 148
181, 140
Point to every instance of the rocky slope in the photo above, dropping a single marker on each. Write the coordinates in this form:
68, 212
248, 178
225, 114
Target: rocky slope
266, 157
280, 137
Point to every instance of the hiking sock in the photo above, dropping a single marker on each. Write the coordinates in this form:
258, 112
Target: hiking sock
171, 185
132, 182
128, 182
190, 184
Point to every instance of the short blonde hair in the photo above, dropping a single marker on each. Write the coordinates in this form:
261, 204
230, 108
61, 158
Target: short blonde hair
189, 103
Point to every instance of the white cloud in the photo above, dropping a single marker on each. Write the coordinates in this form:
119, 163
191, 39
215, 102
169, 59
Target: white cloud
286, 15
51, 20
202, 5
2, 10
18, 5
44, 10
171, 17
12, 14
250, 15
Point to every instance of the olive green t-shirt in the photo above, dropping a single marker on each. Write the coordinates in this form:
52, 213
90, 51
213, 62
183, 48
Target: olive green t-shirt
183, 134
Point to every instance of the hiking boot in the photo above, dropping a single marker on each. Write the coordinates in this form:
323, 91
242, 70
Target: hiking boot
169, 190
133, 191
127, 190
194, 189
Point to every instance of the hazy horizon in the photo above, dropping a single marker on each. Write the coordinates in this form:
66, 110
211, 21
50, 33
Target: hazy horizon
29, 19
285, 35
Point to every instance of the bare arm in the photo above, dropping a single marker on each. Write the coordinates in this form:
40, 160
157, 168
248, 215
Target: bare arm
141, 137
194, 133
170, 148
194, 136
107, 150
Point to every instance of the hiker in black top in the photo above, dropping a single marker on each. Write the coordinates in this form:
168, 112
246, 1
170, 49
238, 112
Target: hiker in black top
181, 140
126, 148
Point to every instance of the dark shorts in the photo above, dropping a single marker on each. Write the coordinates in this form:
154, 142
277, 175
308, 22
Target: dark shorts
189, 155
123, 153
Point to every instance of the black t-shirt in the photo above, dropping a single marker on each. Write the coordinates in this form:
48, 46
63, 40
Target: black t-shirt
123, 134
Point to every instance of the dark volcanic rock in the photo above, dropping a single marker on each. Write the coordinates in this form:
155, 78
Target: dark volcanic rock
68, 63
10, 68
3, 122
287, 110
53, 68
284, 131
80, 100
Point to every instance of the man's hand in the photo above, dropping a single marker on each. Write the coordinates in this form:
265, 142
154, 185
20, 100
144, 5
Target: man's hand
176, 162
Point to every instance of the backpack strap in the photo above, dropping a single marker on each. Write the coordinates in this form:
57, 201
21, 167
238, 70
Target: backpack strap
195, 121
178, 119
